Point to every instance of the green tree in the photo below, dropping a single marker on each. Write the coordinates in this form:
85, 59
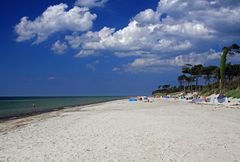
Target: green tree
166, 86
208, 73
197, 71
182, 79
233, 73
231, 50
186, 69
160, 86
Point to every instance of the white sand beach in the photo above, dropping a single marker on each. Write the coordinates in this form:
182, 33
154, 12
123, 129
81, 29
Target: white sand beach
125, 131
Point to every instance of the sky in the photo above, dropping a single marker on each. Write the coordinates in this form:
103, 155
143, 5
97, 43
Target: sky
109, 47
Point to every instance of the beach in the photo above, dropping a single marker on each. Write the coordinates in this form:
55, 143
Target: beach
120, 130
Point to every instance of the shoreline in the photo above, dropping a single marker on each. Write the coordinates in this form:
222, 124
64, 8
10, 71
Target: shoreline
23, 115
164, 130
21, 120
38, 116
14, 123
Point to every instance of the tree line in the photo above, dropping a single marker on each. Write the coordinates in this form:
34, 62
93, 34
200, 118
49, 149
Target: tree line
199, 77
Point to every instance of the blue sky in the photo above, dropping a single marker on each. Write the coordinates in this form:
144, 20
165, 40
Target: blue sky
109, 47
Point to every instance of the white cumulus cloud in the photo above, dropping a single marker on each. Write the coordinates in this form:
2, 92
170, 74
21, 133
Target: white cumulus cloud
54, 19
129, 39
148, 16
91, 3
85, 53
153, 63
188, 26
59, 47
167, 35
164, 36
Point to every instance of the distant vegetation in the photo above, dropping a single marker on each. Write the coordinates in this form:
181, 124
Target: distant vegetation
208, 79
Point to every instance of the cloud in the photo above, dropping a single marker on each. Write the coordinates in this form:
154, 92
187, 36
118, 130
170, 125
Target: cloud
85, 53
194, 58
54, 19
219, 15
151, 63
133, 54
92, 66
148, 16
167, 35
129, 39
74, 40
173, 34
162, 37
59, 47
91, 3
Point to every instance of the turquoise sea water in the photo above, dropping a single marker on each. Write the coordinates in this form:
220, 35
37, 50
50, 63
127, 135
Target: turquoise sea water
17, 106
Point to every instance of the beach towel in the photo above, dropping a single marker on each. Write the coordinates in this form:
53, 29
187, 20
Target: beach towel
132, 99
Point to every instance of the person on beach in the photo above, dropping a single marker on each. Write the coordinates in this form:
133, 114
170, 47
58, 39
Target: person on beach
34, 107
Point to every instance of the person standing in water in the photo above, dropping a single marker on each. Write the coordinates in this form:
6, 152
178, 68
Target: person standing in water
34, 107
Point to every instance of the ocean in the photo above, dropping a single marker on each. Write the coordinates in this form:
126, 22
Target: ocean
20, 106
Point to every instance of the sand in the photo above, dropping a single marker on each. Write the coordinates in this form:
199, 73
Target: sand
126, 131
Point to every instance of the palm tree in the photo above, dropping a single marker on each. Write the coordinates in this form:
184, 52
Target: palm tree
231, 50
